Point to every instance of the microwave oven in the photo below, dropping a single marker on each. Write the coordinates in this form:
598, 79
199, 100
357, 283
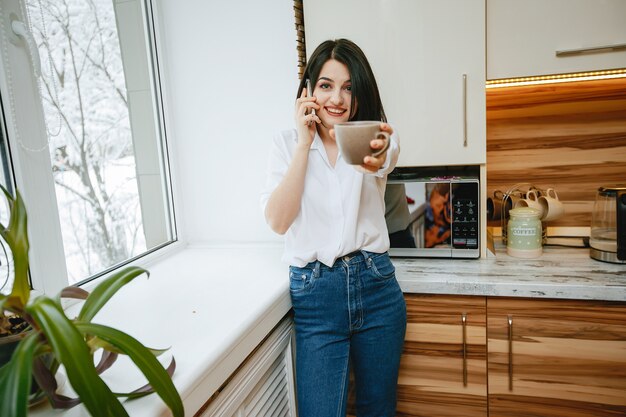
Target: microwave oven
433, 212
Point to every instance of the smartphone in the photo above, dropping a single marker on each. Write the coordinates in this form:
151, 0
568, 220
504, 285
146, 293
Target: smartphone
309, 92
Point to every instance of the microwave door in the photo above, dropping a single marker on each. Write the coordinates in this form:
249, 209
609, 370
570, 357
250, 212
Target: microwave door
418, 216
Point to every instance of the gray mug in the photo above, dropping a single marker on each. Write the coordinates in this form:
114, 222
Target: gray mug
353, 140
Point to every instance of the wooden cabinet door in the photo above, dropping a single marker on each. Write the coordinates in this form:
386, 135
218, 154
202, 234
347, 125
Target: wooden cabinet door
435, 380
556, 358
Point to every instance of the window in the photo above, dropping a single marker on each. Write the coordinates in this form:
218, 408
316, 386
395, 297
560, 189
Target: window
84, 135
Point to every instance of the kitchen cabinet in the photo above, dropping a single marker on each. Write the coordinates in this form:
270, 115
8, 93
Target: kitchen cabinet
523, 37
428, 57
512, 357
443, 370
554, 358
264, 384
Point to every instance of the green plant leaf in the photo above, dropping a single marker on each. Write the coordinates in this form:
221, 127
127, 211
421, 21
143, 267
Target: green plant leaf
147, 389
16, 236
16, 378
144, 359
71, 350
96, 343
106, 289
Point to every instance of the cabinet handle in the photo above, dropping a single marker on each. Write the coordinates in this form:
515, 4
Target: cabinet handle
593, 50
510, 320
465, 110
464, 321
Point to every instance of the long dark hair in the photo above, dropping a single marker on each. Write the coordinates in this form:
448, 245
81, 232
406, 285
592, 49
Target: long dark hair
365, 95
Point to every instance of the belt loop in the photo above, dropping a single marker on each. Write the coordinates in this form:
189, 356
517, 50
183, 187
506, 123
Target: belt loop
316, 269
366, 257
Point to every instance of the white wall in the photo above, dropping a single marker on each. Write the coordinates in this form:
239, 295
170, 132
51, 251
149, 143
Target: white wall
231, 77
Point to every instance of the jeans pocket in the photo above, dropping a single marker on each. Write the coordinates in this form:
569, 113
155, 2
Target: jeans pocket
382, 267
299, 279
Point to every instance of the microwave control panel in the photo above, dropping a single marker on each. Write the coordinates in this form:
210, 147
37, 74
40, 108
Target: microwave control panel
465, 215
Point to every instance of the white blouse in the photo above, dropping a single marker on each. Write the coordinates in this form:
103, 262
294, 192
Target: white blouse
342, 209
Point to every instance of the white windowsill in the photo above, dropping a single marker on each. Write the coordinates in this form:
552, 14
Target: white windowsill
212, 305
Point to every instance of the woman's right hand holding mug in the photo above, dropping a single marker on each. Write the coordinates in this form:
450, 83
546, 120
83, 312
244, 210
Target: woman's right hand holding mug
306, 121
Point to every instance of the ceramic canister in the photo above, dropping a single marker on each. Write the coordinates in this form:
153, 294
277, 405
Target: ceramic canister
524, 237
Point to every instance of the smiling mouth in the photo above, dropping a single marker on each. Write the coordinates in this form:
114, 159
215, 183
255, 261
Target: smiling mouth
335, 112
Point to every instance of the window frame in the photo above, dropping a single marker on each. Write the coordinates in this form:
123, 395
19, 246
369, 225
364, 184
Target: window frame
32, 171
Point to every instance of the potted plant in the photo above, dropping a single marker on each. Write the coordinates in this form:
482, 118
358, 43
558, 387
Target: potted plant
49, 339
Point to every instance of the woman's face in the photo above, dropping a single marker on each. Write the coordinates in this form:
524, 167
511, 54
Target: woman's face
333, 91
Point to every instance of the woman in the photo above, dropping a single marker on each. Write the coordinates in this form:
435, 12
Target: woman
348, 307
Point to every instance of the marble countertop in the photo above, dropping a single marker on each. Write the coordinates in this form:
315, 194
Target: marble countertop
567, 273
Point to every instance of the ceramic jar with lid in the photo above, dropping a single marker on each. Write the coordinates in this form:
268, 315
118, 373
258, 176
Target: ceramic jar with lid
524, 233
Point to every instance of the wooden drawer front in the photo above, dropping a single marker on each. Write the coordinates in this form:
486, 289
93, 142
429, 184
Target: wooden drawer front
431, 371
568, 358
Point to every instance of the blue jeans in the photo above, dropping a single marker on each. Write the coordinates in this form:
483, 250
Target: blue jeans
351, 313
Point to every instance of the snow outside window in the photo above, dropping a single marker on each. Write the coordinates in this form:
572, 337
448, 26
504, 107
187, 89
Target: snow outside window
84, 134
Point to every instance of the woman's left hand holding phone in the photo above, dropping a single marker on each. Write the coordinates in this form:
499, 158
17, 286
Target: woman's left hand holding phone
306, 119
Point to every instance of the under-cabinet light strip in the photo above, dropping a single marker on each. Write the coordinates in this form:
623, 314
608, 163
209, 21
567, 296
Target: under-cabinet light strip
556, 78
